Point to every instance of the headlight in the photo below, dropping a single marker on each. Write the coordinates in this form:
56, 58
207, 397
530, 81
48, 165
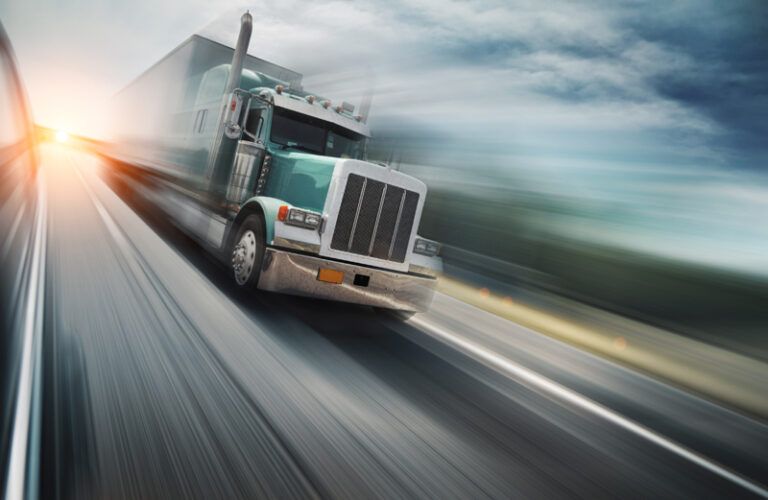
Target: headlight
303, 218
426, 247
312, 219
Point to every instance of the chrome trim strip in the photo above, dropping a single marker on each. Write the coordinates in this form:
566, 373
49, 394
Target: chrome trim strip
397, 226
357, 213
378, 217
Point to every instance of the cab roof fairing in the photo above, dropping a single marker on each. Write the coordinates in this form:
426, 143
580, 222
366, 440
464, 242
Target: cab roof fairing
276, 71
300, 105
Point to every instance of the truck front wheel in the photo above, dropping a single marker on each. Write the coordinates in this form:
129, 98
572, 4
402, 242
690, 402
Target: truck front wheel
248, 252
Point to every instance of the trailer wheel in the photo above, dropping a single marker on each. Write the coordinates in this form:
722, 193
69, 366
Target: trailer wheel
248, 252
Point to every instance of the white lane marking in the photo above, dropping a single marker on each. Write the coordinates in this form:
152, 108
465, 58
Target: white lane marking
29, 375
534, 380
112, 227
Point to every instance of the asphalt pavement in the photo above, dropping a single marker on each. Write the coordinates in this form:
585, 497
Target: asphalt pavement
164, 381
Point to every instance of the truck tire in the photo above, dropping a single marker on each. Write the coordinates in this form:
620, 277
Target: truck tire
247, 252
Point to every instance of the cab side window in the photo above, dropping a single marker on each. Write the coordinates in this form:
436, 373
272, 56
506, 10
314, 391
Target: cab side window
254, 124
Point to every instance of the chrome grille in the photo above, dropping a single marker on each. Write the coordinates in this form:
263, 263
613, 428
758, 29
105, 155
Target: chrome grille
375, 219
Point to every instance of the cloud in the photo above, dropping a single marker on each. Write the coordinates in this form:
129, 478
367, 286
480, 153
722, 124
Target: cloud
514, 65
503, 95
581, 66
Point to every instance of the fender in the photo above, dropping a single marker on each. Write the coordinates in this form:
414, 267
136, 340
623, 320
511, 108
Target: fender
267, 207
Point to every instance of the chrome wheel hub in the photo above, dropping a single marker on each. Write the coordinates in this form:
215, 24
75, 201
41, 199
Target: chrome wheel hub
244, 257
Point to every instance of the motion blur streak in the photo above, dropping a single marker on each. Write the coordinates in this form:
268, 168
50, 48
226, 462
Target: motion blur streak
569, 197
23, 465
538, 382
164, 381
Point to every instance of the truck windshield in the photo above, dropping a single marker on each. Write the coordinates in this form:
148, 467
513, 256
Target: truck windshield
294, 130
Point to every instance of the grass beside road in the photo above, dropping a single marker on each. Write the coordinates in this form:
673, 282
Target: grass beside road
715, 373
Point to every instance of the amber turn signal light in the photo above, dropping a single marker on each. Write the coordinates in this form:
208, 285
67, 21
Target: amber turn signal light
330, 276
282, 212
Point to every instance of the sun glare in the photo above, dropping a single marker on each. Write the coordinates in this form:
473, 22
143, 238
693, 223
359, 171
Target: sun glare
61, 136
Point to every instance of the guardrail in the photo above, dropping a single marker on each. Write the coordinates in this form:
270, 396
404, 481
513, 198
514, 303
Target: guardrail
22, 475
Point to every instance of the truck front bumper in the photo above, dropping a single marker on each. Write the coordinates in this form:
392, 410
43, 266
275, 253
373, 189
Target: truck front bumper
296, 274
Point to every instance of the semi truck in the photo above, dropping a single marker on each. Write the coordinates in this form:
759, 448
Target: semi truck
274, 179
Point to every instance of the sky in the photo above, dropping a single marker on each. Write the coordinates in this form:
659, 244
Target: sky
659, 108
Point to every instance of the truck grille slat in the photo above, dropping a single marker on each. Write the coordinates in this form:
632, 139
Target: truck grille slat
386, 231
375, 219
402, 236
366, 219
347, 213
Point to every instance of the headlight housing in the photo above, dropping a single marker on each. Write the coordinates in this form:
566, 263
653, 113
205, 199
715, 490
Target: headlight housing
426, 247
303, 218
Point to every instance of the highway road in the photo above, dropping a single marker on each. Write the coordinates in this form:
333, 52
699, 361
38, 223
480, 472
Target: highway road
161, 380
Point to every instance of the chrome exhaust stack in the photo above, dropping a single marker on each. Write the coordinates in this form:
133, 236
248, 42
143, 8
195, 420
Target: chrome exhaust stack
222, 154
241, 49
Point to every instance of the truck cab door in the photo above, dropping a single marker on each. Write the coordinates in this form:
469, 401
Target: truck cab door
249, 155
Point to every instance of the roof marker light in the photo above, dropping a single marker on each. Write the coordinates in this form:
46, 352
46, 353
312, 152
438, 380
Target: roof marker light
279, 89
311, 99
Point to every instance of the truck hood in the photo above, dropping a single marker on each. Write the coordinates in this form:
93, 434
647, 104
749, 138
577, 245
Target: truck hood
300, 178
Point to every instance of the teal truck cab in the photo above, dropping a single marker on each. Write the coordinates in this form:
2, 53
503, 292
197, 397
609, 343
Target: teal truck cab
274, 179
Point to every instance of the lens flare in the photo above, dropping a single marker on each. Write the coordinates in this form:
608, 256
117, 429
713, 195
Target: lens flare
62, 136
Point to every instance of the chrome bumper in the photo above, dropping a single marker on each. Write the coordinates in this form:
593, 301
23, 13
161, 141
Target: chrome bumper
296, 274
